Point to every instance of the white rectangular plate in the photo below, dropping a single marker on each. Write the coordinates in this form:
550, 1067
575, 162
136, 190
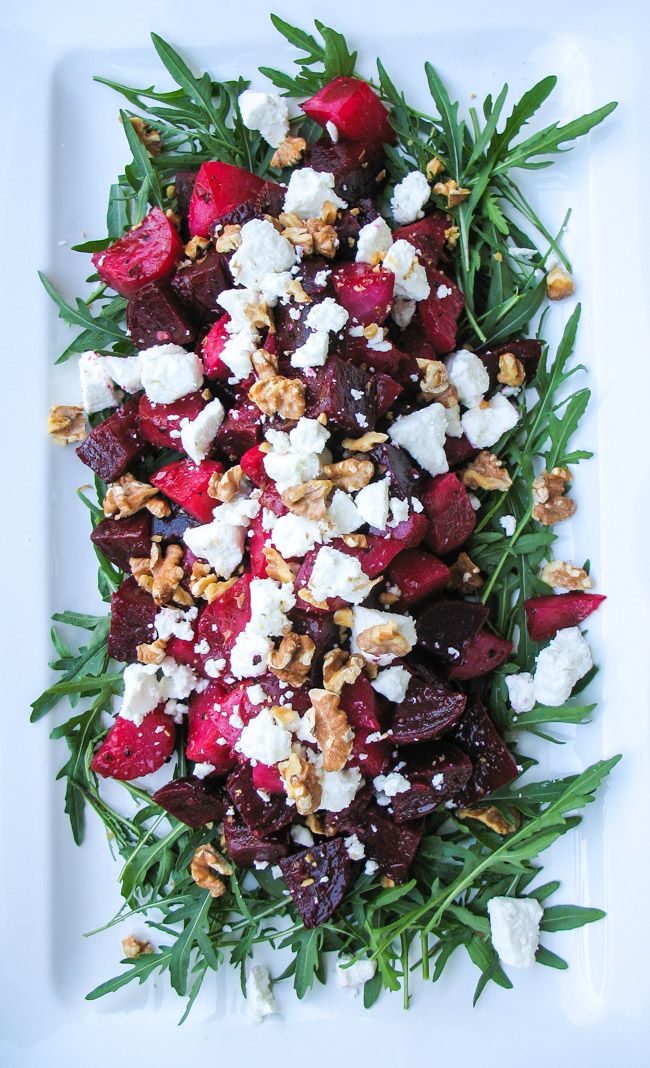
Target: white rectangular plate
65, 146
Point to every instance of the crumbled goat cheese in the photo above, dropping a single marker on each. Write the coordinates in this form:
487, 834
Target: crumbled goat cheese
343, 516
403, 311
320, 279
333, 131
454, 427
514, 929
259, 996
314, 351
126, 371
391, 784
275, 286
560, 665
222, 541
338, 788
307, 192
467, 373
238, 351
484, 426
443, 291
173, 621
521, 691
354, 975
337, 575
141, 692
249, 655
409, 197
422, 434
197, 435
374, 241
377, 342
509, 524
328, 315
264, 739
270, 603
399, 511
169, 373
295, 535
256, 694
308, 435
214, 668
179, 680
392, 683
242, 305
291, 468
370, 867
97, 388
474, 501
410, 276
371, 617
301, 835
262, 251
267, 113
355, 849
202, 770
372, 502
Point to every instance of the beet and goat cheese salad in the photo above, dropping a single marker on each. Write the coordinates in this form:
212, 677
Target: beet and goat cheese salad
328, 466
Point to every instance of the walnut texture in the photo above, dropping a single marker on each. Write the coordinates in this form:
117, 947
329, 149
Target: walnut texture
331, 729
486, 472
550, 505
66, 423
291, 661
206, 867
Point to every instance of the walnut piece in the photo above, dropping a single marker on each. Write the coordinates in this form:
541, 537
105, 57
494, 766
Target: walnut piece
205, 868
300, 237
289, 153
454, 193
196, 247
153, 653
566, 576
384, 638
127, 496
317, 826
331, 729
559, 284
491, 817
451, 236
279, 396
344, 617
309, 498
433, 168
149, 137
265, 364
229, 239
225, 487
511, 370
486, 472
295, 290
306, 595
550, 504
301, 783
161, 575
351, 474
324, 237
136, 947
365, 443
356, 541
291, 661
66, 423
434, 379
465, 575
339, 668
204, 583
277, 567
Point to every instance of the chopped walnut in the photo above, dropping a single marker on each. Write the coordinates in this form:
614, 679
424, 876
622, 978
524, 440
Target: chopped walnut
365, 443
331, 729
486, 472
329, 212
550, 504
382, 639
559, 284
464, 575
127, 496
566, 576
265, 364
309, 498
136, 947
66, 423
153, 653
225, 487
300, 237
289, 153
295, 290
388, 598
352, 474
301, 783
196, 247
433, 168
317, 826
343, 617
434, 377
161, 575
229, 239
491, 817
454, 193
291, 661
308, 597
451, 236
205, 868
341, 668
205, 584
356, 541
277, 567
279, 396
511, 370
324, 237
149, 136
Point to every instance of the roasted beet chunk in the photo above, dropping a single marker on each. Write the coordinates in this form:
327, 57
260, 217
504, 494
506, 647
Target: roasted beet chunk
128, 752
546, 615
436, 773
261, 817
184, 186
494, 765
172, 527
291, 333
445, 626
392, 845
356, 167
317, 879
482, 654
218, 188
193, 801
120, 539
133, 613
440, 311
241, 430
332, 391
160, 423
452, 518
244, 848
528, 351
145, 254
353, 107
459, 451
428, 710
222, 621
114, 444
198, 284
365, 292
417, 574
396, 465
155, 317
186, 483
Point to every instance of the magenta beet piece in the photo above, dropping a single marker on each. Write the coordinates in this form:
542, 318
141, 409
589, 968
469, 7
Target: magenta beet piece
146, 253
370, 755
197, 285
494, 765
439, 314
160, 423
450, 512
361, 705
392, 845
445, 626
353, 107
114, 444
252, 463
133, 613
427, 236
480, 655
212, 346
155, 317
222, 621
428, 710
211, 736
128, 752
436, 773
120, 539
355, 166
364, 291
317, 879
219, 187
381, 549
245, 848
268, 779
347, 820
459, 451
396, 463
311, 277
186, 484
330, 391
240, 430
417, 574
192, 801
348, 226
402, 366
365, 716
388, 391
261, 817
529, 351
268, 201
546, 615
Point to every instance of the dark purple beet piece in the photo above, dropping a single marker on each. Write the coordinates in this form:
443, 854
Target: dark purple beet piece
244, 848
357, 168
347, 820
199, 283
261, 817
396, 463
547, 614
330, 391
193, 801
172, 527
311, 271
392, 845
184, 187
267, 202
240, 430
445, 626
133, 613
290, 333
347, 227
155, 317
428, 710
529, 351
120, 539
494, 765
317, 879
484, 653
114, 444
436, 773
459, 451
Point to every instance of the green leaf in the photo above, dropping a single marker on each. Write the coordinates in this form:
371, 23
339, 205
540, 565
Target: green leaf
568, 917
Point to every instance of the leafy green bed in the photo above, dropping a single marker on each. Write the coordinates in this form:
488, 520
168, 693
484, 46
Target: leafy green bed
501, 255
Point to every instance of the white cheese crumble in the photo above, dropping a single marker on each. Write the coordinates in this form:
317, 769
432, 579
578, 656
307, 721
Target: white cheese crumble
403, 311
514, 929
301, 835
295, 535
328, 315
422, 434
202, 770
509, 524
313, 353
333, 131
141, 692
173, 621
374, 241
267, 113
307, 192
409, 197
521, 691
468, 374
560, 665
364, 618
270, 603
256, 694
249, 654
97, 388
354, 975
197, 435
238, 351
222, 541
259, 995
262, 251
391, 784
372, 502
126, 371
484, 426
335, 574
343, 516
169, 373
308, 435
354, 848
392, 683
338, 788
410, 276
264, 739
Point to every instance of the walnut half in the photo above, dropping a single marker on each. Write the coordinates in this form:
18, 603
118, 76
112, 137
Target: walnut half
486, 472
331, 729
549, 503
351, 474
566, 576
136, 947
309, 498
491, 817
279, 396
291, 661
382, 639
205, 868
301, 783
66, 423
339, 668
127, 496
161, 575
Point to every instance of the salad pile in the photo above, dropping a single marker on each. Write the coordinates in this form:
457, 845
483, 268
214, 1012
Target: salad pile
328, 467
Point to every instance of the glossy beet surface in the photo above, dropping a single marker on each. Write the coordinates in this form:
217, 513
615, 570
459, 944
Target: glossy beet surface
436, 773
445, 626
132, 621
317, 879
391, 844
245, 848
353, 107
261, 816
186, 483
417, 574
493, 764
428, 710
330, 392
357, 167
112, 446
452, 518
154, 316
198, 284
120, 539
160, 423
128, 752
546, 615
146, 253
365, 292
218, 188
482, 654
193, 801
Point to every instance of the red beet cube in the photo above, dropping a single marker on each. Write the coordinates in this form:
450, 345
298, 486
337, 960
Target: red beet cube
268, 779
114, 444
128, 752
198, 284
440, 311
417, 574
318, 878
160, 423
436, 773
155, 317
356, 166
133, 613
252, 463
459, 451
146, 253
222, 621
480, 655
244, 848
211, 348
451, 516
427, 236
392, 845
211, 736
494, 765
397, 465
365, 292
445, 626
240, 430
192, 801
184, 183
546, 615
120, 539
331, 391
382, 549
186, 483
261, 817
219, 187
428, 710
354, 108
387, 391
